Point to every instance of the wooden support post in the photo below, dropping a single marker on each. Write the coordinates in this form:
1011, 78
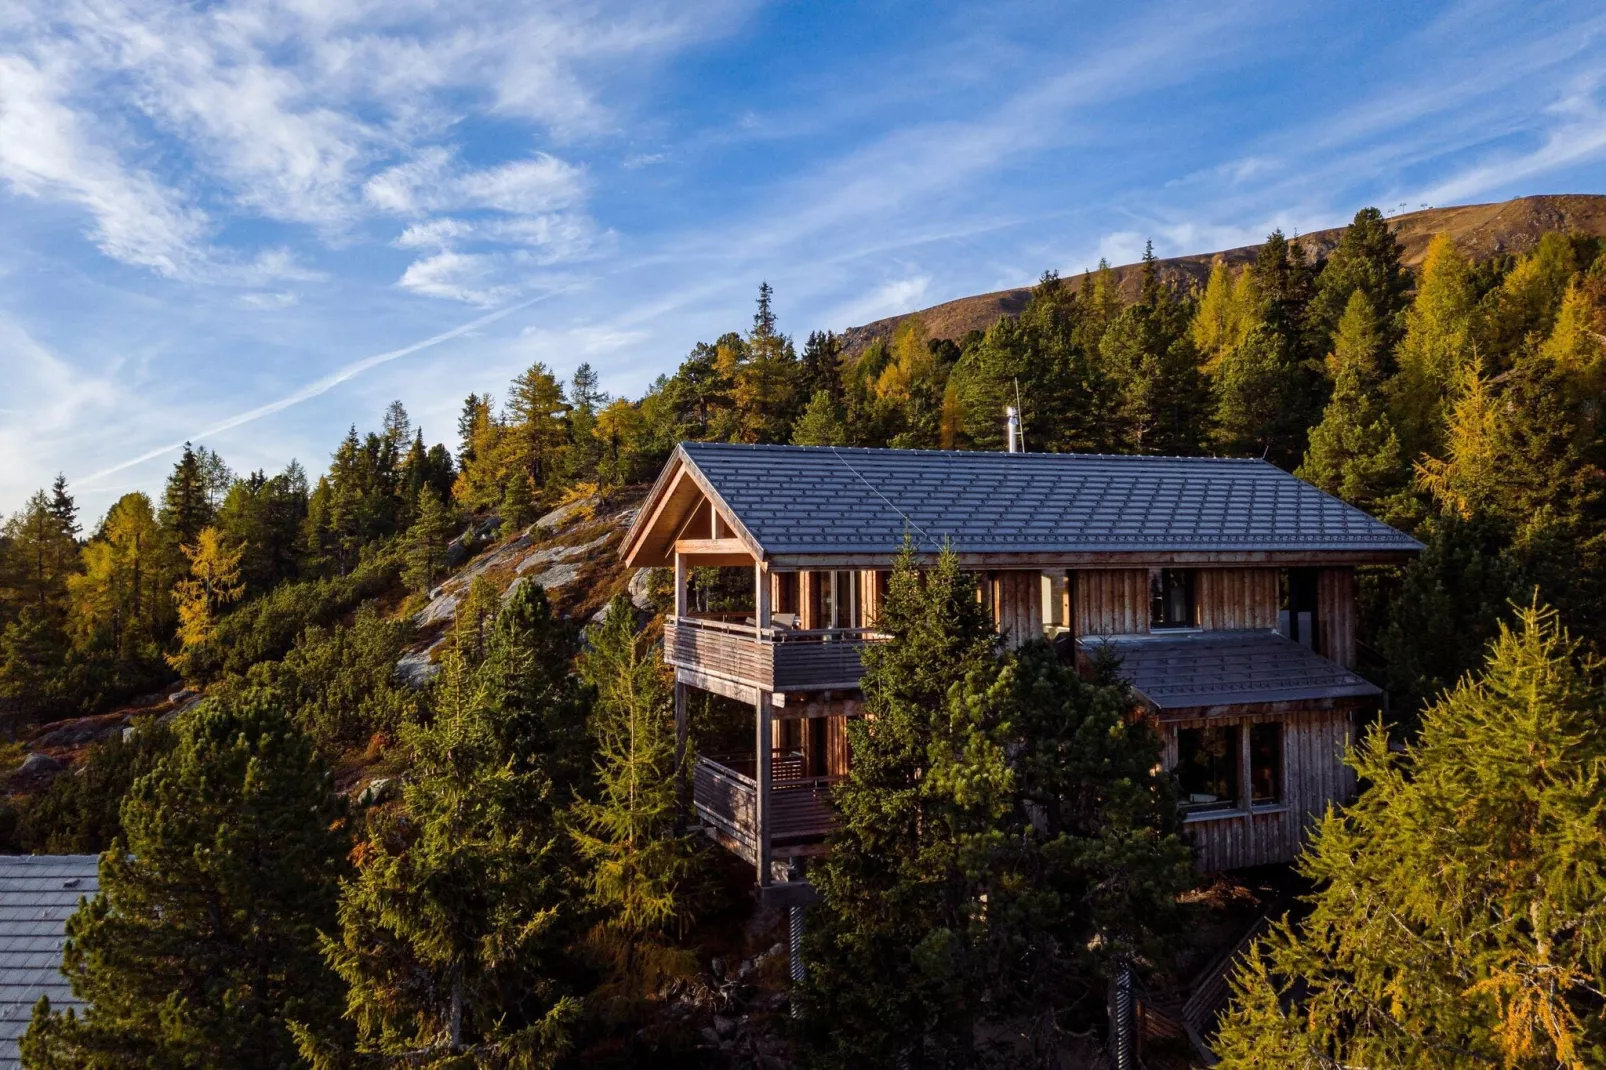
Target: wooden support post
680, 585
836, 600
761, 595
764, 743
682, 734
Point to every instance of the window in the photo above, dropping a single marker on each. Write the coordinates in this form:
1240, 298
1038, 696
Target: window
1171, 598
1207, 767
1298, 610
1266, 763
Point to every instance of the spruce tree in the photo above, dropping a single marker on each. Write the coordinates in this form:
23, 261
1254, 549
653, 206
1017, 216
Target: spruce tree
63, 507
203, 941
999, 851
186, 504
1460, 917
1354, 452
427, 540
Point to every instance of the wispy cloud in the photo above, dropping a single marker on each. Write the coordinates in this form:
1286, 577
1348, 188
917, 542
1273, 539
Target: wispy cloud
311, 390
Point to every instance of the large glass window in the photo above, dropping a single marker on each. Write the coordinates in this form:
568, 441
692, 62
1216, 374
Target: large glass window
1266, 763
1171, 598
1207, 767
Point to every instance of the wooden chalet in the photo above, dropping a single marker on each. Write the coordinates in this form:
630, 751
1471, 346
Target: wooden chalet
1226, 588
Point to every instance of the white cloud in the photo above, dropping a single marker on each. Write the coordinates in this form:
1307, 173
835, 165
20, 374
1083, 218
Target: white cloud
889, 299
269, 301
433, 182
44, 152
465, 277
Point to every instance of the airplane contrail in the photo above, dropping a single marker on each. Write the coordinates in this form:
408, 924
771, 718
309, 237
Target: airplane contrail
318, 386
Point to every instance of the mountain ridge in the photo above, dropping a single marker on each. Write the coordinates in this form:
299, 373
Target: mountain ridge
1481, 230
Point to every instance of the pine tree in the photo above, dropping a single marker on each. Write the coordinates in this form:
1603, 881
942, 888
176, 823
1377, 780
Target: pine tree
452, 931
821, 423
202, 943
1261, 393
1460, 919
1435, 349
820, 365
1366, 261
186, 504
1354, 452
427, 540
517, 507
644, 871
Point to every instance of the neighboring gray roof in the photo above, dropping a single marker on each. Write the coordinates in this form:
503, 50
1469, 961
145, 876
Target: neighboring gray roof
37, 894
1228, 669
822, 499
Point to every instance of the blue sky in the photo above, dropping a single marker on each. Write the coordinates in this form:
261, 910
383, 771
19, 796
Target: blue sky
253, 222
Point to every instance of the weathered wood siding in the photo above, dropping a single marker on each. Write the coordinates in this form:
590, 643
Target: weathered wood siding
1110, 601
1235, 598
1314, 775
1017, 603
1335, 613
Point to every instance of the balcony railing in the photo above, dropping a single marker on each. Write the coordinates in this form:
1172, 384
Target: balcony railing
725, 793
772, 659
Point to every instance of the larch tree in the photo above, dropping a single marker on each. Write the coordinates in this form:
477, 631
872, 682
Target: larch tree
453, 932
202, 943
443, 928
644, 871
427, 540
1460, 916
213, 582
536, 408
822, 423
120, 602
1435, 350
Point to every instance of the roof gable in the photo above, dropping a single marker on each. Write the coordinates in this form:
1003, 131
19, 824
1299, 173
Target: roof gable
803, 500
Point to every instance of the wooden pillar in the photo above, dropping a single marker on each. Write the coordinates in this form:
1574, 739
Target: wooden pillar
764, 743
761, 595
680, 585
682, 734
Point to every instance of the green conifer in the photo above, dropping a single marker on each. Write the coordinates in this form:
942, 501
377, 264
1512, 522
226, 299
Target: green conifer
821, 423
644, 871
1354, 452
427, 540
203, 941
1460, 919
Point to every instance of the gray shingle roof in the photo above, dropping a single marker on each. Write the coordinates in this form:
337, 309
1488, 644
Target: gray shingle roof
37, 895
820, 499
1228, 669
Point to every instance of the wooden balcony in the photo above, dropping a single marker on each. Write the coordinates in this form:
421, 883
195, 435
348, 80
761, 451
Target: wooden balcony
725, 794
772, 659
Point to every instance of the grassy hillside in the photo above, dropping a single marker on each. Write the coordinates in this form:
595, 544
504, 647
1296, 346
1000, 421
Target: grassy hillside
1480, 230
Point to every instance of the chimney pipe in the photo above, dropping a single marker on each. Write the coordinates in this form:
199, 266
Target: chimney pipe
1012, 428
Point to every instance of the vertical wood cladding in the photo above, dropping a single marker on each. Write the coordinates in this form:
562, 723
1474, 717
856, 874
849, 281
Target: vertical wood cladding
1233, 598
1110, 601
1335, 615
1016, 597
1314, 775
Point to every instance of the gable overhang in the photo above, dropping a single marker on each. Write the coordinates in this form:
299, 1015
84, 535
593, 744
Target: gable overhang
661, 527
787, 560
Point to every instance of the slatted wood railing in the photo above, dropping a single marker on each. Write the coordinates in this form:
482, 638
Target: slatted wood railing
725, 795
771, 659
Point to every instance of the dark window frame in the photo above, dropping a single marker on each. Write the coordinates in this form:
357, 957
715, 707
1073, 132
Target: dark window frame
1165, 584
1224, 771
1269, 755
